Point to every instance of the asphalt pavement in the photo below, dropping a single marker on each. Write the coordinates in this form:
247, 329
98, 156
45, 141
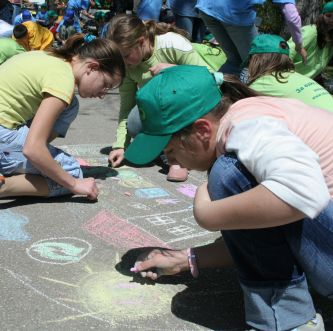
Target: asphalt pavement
65, 261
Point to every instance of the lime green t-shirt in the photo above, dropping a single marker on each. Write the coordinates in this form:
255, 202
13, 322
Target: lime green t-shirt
295, 86
169, 48
9, 48
317, 59
25, 78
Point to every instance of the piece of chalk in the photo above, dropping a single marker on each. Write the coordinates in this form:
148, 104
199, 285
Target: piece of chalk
134, 269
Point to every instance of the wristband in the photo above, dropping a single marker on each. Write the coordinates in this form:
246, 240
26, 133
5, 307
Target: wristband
192, 261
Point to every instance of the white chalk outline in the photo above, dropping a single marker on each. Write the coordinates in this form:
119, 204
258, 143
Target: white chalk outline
61, 238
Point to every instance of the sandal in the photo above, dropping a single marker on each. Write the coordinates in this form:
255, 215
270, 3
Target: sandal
177, 174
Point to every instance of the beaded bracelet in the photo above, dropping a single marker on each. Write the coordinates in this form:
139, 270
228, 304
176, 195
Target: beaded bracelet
192, 261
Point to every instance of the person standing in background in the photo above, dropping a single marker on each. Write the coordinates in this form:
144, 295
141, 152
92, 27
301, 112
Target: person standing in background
233, 25
148, 9
187, 18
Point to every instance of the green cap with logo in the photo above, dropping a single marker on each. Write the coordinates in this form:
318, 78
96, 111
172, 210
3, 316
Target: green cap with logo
328, 8
269, 43
170, 101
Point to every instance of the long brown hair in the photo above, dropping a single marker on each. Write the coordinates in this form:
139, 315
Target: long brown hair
102, 50
269, 64
232, 90
324, 34
125, 30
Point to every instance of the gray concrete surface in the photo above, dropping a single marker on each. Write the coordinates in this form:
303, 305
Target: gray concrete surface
65, 262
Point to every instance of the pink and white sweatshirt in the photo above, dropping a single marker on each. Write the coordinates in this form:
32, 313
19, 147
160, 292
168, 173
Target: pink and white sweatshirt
286, 145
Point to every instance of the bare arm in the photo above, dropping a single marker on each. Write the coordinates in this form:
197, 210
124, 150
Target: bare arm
157, 262
253, 209
35, 149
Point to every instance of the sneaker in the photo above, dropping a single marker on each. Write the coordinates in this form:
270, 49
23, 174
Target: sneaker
2, 179
315, 324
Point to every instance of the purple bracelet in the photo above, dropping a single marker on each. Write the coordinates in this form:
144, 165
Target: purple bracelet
192, 261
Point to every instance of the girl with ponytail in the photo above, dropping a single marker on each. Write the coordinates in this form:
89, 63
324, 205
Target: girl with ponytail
38, 104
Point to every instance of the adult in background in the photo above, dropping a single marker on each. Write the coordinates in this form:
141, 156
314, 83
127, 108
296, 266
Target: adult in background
233, 25
148, 9
186, 18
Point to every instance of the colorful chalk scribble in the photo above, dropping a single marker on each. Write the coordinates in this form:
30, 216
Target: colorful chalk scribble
187, 189
120, 233
151, 193
114, 296
130, 179
11, 226
59, 250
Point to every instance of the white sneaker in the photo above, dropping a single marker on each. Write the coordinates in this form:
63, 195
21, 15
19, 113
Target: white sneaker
315, 324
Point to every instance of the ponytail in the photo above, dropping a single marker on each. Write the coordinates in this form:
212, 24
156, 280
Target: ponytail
104, 51
232, 90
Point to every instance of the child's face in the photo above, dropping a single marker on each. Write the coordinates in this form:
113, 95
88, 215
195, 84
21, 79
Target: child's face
190, 152
95, 83
132, 56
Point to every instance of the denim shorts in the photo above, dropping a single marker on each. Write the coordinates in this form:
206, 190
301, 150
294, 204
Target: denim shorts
12, 160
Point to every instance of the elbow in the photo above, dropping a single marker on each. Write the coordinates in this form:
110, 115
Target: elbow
203, 221
30, 152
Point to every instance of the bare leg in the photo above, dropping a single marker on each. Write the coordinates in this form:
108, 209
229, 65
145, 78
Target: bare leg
171, 262
24, 185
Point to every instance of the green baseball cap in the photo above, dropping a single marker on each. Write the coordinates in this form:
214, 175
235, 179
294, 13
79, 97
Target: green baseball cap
52, 13
170, 101
328, 7
268, 43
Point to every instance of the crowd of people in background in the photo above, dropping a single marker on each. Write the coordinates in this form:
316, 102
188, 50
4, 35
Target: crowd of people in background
253, 108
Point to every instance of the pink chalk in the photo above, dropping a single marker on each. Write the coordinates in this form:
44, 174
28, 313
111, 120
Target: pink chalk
134, 269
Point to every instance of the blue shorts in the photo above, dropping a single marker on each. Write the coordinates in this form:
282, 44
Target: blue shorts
12, 160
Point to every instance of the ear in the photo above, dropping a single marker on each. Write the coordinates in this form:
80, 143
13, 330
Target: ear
203, 129
93, 65
141, 41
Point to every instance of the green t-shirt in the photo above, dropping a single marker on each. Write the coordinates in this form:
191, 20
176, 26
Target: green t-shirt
295, 86
9, 48
317, 58
213, 56
25, 78
169, 48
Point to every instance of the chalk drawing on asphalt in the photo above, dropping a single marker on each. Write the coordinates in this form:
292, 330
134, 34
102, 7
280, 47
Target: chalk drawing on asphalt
108, 297
64, 250
12, 226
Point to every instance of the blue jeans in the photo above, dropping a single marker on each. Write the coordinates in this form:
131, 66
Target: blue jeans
12, 160
193, 25
234, 40
272, 263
